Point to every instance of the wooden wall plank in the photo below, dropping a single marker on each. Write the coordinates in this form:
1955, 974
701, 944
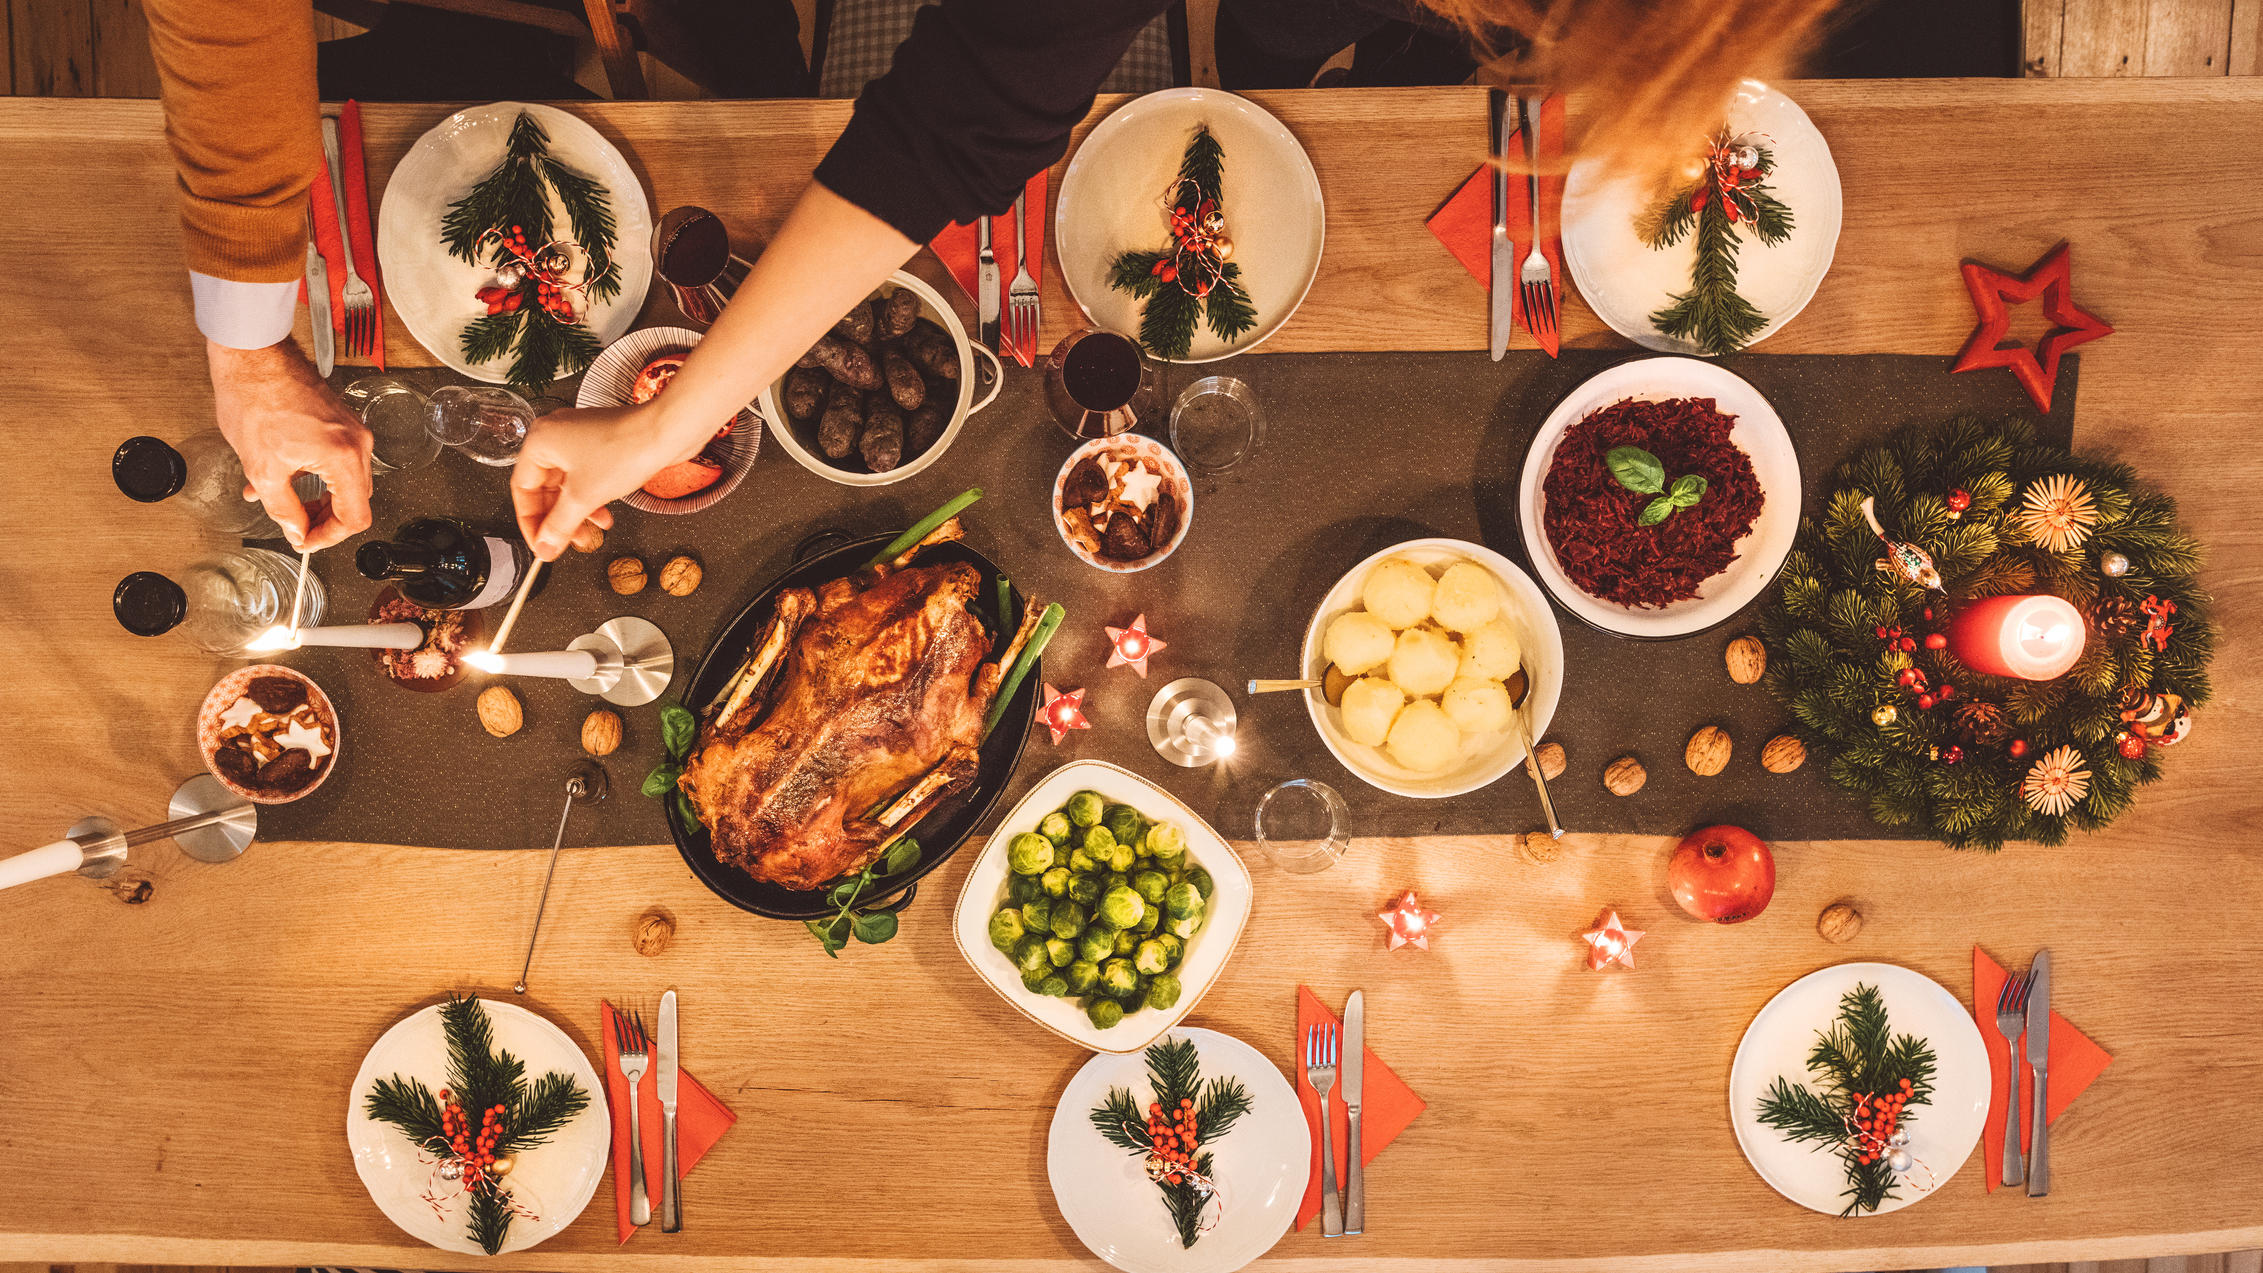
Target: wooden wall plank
2247, 38
2104, 37
49, 42
118, 34
7, 82
2188, 37
2042, 31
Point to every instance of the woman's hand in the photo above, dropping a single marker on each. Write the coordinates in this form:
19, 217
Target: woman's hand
576, 462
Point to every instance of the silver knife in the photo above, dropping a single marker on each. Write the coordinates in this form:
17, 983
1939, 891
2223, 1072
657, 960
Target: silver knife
2039, 1066
318, 309
986, 286
671, 1186
1355, 1057
1504, 251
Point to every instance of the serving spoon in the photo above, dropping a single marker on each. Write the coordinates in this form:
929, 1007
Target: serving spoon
1520, 688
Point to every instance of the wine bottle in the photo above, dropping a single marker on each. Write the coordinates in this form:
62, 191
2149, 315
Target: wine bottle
442, 564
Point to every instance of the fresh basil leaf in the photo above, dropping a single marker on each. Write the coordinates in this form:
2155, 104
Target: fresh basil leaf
1688, 489
903, 855
1656, 511
677, 729
1636, 469
661, 781
875, 929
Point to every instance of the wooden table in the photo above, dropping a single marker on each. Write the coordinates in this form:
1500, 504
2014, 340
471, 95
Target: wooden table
173, 1073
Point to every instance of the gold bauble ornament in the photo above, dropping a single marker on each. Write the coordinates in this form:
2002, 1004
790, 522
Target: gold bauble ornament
1214, 223
502, 1165
1883, 715
1222, 248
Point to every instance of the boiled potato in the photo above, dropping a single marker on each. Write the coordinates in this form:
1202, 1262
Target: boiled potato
1357, 642
1424, 738
1476, 706
1424, 661
1492, 652
1466, 598
1398, 592
1370, 705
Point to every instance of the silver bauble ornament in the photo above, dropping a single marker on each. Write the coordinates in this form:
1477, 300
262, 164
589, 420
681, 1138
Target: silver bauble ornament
2113, 565
453, 1169
1900, 1160
1899, 1140
1745, 156
510, 274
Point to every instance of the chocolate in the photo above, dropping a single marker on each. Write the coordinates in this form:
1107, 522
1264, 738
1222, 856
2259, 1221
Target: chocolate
1124, 541
1086, 484
276, 694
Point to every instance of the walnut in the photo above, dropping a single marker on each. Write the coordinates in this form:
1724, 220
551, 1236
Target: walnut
1551, 758
1748, 658
1839, 922
1624, 776
1708, 751
680, 577
654, 930
626, 575
499, 711
1783, 754
589, 538
601, 732
1539, 848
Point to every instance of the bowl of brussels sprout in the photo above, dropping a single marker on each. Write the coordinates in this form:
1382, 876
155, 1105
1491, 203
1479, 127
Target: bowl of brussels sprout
1102, 908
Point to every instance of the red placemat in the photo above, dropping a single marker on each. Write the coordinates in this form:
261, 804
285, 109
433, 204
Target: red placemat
701, 1120
2076, 1063
1465, 222
958, 248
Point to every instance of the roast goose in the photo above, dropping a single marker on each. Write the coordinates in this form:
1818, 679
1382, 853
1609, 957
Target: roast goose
860, 709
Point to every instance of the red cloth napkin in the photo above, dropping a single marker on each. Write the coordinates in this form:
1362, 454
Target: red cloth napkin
958, 248
324, 213
1387, 1105
1465, 222
2076, 1062
358, 227
701, 1120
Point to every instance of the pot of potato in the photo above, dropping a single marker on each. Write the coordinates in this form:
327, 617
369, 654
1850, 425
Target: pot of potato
1415, 647
884, 393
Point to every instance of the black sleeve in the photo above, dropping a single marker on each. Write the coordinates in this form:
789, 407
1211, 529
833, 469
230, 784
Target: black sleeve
982, 96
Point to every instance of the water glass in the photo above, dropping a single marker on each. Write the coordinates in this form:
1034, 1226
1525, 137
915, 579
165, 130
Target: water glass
486, 422
1303, 826
1099, 384
397, 418
1216, 424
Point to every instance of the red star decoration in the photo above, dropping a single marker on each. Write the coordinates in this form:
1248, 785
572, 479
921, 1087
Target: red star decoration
2036, 369
1129, 647
1610, 942
1063, 712
1410, 925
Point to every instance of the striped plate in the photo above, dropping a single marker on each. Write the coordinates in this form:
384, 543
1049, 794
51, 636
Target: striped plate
607, 383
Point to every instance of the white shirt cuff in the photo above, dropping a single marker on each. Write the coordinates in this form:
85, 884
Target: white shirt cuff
243, 315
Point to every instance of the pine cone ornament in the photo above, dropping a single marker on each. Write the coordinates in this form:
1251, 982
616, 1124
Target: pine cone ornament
2115, 616
1982, 723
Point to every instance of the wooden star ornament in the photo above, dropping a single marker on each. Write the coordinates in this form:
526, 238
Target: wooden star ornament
1610, 942
1994, 291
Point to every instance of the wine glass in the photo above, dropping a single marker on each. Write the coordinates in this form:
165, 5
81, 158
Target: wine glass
1099, 384
399, 422
486, 422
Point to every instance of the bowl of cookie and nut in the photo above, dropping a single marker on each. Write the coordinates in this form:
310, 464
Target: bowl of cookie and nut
1122, 504
268, 733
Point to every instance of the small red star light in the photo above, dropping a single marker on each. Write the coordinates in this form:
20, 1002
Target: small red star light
1610, 942
2036, 369
1129, 647
1410, 925
1063, 712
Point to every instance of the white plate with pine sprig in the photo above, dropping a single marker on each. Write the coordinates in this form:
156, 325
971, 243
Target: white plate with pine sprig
1895, 1023
549, 1183
1627, 282
437, 294
1258, 1149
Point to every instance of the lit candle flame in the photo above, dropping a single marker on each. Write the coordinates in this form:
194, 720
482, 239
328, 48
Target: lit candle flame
485, 660
279, 637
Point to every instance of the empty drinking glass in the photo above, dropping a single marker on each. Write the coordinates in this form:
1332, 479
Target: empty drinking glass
397, 416
202, 472
1216, 424
1303, 826
486, 422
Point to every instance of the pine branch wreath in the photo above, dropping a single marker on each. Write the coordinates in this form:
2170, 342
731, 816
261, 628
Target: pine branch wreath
1174, 1072
1712, 314
1193, 282
1843, 636
1868, 1078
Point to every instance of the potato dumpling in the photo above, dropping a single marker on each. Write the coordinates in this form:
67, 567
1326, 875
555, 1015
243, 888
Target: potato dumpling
1466, 598
1424, 738
1424, 661
1477, 707
1491, 653
1357, 642
1370, 705
1398, 592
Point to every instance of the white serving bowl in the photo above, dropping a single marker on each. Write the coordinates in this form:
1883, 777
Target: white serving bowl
1174, 479
1485, 757
1759, 432
932, 307
1206, 952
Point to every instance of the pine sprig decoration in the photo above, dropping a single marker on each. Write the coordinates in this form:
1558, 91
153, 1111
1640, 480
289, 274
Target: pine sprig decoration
512, 194
1174, 1073
1857, 1060
1712, 314
1171, 310
405, 1103
1831, 672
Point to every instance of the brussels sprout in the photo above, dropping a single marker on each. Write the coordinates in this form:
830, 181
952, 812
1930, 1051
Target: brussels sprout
1126, 942
1038, 914
1167, 843
1055, 881
1151, 921
1183, 899
1032, 955
1085, 808
1124, 823
1055, 826
1104, 1012
1201, 881
1069, 919
1053, 987
1020, 953
1097, 841
1163, 992
1114, 879
1085, 889
1150, 957
1150, 885
1029, 854
1081, 976
1060, 953
1187, 925
1007, 930
1117, 976
1120, 859
1021, 888
1032, 978
1082, 862
1135, 996
1122, 907
1097, 943
1174, 948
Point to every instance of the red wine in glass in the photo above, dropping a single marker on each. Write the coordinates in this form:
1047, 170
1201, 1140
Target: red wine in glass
1098, 383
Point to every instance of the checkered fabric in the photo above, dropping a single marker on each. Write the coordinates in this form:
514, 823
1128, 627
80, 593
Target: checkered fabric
862, 40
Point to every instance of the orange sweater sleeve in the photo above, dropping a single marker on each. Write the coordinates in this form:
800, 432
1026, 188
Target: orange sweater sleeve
240, 115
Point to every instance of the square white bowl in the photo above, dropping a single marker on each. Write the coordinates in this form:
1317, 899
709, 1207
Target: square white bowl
1206, 952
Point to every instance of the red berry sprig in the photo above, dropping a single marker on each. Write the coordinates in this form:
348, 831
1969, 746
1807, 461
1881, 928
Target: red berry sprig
475, 1152
1875, 1118
1172, 1134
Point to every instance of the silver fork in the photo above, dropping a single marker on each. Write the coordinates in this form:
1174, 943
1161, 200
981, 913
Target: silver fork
1533, 281
2011, 1022
1320, 1070
1021, 297
636, 1051
359, 300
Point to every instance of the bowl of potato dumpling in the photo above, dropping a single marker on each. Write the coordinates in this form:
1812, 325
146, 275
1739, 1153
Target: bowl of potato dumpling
1416, 649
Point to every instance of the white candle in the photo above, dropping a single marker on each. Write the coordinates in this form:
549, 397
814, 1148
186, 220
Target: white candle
363, 636
53, 859
572, 665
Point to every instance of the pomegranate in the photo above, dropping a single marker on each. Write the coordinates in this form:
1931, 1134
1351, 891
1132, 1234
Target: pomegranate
1724, 874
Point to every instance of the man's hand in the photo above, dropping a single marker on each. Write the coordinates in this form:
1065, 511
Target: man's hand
283, 421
